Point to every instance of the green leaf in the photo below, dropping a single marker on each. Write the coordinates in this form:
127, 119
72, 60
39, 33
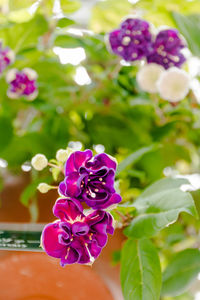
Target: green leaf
181, 272
135, 156
26, 34
67, 41
19, 4
189, 26
106, 15
70, 6
19, 16
55, 173
5, 135
159, 206
64, 22
140, 271
159, 12
30, 191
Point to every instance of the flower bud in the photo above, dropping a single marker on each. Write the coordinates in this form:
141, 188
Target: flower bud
43, 187
62, 155
148, 76
39, 162
173, 84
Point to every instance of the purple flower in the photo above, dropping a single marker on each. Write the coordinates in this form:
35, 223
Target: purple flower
132, 40
90, 179
167, 49
6, 57
22, 83
75, 237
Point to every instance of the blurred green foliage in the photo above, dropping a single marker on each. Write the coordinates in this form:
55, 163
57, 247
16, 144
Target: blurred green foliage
146, 134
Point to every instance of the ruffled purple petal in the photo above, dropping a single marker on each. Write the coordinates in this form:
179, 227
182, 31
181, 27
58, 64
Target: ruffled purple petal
80, 228
66, 209
62, 188
103, 202
102, 160
50, 240
94, 249
71, 257
77, 160
73, 184
82, 250
101, 217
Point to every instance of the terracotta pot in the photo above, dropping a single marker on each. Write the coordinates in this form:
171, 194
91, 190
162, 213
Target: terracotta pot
11, 208
35, 276
13, 211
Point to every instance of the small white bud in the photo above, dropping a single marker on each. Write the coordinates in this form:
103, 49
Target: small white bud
148, 76
43, 188
11, 75
62, 155
173, 84
39, 162
32, 74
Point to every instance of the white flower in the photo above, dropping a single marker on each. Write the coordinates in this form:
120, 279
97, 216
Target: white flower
174, 84
148, 76
32, 96
11, 55
43, 188
12, 95
62, 155
39, 162
32, 74
11, 75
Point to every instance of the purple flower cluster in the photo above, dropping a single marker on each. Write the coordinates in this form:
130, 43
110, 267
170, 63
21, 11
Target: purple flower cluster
90, 179
76, 237
134, 41
167, 49
6, 57
22, 84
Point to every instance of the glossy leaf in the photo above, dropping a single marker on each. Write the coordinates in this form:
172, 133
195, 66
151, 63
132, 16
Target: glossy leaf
159, 206
64, 22
134, 157
189, 26
181, 271
140, 271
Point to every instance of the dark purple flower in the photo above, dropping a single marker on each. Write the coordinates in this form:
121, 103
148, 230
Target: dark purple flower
90, 179
167, 49
6, 57
132, 40
75, 237
22, 83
